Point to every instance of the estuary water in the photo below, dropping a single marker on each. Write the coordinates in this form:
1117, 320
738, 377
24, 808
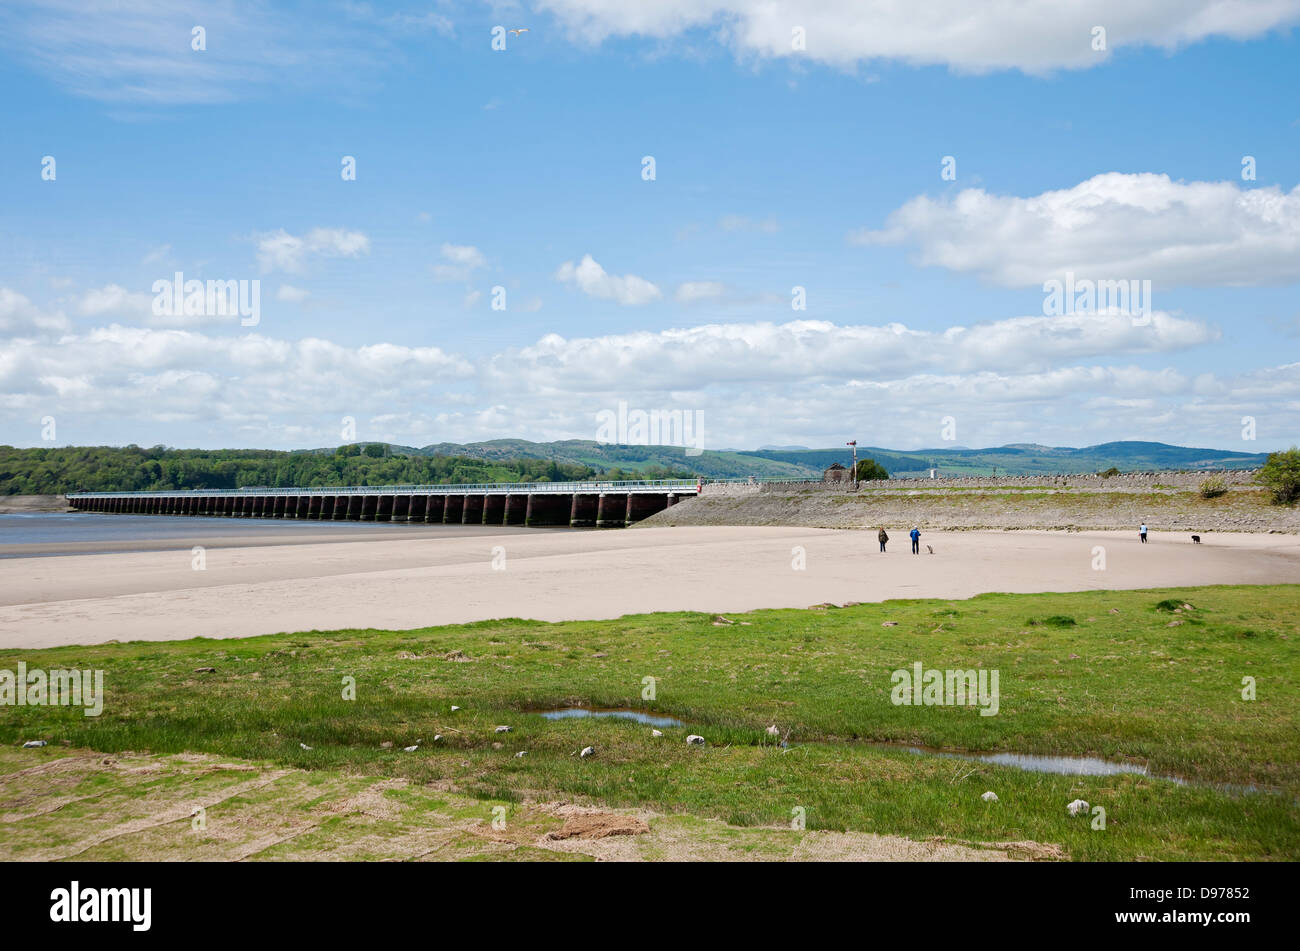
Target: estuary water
68, 533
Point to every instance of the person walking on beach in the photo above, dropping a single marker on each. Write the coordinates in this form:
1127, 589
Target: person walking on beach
883, 538
1142, 533
916, 541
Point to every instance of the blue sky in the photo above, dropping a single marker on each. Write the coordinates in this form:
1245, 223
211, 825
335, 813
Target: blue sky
521, 169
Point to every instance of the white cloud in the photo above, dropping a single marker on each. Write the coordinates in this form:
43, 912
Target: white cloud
115, 300
1065, 380
461, 260
280, 250
294, 295
1031, 35
694, 291
150, 374
770, 353
138, 52
1113, 226
154, 255
19, 316
592, 280
136, 307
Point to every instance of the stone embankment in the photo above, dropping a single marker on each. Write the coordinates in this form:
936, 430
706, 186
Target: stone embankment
1165, 501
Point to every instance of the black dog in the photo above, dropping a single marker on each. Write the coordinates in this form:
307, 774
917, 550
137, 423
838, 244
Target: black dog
1197, 539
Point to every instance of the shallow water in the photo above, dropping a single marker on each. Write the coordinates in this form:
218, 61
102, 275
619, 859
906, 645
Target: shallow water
1037, 763
640, 716
29, 534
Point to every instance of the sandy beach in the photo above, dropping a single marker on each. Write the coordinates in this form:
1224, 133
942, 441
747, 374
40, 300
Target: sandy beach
383, 582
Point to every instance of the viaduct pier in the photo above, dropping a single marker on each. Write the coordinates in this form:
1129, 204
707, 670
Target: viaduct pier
576, 504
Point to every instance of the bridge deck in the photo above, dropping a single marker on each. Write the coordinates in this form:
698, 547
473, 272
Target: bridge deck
576, 504
678, 486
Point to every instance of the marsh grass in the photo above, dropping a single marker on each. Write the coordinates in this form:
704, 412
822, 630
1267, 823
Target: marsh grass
1116, 682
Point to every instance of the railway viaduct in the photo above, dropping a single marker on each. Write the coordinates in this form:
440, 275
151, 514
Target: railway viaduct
576, 504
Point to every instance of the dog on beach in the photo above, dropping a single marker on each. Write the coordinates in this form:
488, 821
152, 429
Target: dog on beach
929, 549
1196, 539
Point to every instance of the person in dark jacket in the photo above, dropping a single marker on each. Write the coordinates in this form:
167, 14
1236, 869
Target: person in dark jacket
883, 538
916, 541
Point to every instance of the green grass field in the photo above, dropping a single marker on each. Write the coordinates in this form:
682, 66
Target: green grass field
1122, 675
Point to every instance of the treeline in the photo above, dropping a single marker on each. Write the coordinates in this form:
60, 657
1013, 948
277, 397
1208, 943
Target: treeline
132, 469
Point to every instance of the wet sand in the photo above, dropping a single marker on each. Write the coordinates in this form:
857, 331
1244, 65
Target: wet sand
380, 581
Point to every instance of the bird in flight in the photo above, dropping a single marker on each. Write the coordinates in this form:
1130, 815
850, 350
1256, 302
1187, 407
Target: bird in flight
517, 32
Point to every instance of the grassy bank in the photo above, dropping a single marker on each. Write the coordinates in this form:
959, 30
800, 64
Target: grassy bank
1123, 675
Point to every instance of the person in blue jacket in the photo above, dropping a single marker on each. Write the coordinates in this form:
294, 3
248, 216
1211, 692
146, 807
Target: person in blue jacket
916, 541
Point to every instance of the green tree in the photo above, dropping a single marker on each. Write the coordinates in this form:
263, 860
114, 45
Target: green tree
869, 469
1281, 473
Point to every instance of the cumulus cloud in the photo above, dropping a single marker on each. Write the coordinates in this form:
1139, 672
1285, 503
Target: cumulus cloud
115, 300
590, 278
1059, 380
282, 251
1114, 226
459, 262
148, 374
19, 316
816, 350
1035, 36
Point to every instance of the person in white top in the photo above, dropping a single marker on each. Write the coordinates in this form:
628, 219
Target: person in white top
1142, 533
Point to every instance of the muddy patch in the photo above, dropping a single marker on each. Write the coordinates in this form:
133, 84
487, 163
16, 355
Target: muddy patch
598, 825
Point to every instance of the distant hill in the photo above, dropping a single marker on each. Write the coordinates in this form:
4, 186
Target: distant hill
48, 471
1020, 459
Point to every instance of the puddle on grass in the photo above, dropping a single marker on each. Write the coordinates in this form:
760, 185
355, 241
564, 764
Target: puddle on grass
640, 716
1062, 765
1036, 763
1031, 762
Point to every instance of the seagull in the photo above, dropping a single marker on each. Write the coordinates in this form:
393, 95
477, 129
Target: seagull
694, 740
410, 749
656, 732
587, 751
503, 729
1077, 807
517, 32
33, 744
520, 754
990, 796
304, 746
454, 709
773, 731
437, 737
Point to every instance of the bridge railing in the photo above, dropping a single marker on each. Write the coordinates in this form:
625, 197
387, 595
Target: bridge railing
485, 488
